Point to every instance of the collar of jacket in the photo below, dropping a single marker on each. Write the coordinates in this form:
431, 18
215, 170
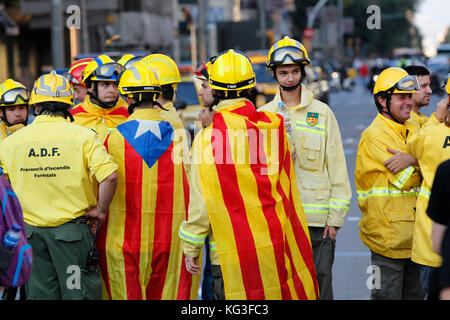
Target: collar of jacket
11, 129
397, 127
168, 106
228, 104
145, 114
305, 99
49, 118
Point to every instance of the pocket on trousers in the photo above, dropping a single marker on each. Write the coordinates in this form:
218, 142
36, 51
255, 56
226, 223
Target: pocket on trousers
68, 235
401, 226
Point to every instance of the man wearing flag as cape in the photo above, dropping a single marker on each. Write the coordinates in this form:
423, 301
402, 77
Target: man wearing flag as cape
243, 188
141, 256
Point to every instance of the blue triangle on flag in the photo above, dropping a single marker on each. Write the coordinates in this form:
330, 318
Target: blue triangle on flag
150, 139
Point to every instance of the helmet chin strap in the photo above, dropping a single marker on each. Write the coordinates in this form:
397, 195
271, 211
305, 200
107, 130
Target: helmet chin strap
104, 105
4, 119
290, 88
134, 105
286, 88
388, 108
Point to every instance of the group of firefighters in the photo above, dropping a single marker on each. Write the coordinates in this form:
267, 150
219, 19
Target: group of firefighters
264, 190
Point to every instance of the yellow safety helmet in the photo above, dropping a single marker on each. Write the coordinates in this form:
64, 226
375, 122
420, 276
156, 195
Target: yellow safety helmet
446, 85
165, 67
51, 87
102, 68
396, 80
127, 60
13, 93
140, 83
287, 51
139, 79
231, 70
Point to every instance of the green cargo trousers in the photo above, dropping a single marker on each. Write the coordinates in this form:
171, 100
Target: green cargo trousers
59, 259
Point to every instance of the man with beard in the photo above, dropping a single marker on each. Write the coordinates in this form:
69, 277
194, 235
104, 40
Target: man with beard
422, 98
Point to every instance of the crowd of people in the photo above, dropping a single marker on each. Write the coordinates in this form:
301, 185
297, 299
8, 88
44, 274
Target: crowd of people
117, 204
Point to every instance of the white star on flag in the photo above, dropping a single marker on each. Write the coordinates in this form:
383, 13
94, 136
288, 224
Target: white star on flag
148, 125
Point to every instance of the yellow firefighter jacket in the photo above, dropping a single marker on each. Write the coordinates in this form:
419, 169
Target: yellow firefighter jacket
181, 152
431, 146
320, 165
417, 120
387, 201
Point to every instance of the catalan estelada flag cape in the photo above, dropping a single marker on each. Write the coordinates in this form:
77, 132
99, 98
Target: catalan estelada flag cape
140, 251
102, 120
254, 207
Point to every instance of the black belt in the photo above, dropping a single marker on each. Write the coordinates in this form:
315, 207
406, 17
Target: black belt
81, 219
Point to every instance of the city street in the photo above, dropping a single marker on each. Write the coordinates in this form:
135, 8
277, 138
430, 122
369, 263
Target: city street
354, 111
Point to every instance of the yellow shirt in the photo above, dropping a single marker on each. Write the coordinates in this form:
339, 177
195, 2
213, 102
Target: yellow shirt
101, 120
54, 167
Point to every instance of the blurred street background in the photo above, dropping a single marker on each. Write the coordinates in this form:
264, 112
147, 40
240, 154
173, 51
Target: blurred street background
349, 43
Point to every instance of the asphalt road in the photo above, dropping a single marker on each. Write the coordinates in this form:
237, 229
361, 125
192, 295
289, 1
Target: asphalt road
354, 112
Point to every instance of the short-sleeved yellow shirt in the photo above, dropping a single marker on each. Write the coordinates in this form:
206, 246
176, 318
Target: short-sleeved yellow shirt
54, 167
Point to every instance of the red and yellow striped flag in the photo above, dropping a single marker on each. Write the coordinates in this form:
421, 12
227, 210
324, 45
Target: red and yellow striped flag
141, 255
254, 206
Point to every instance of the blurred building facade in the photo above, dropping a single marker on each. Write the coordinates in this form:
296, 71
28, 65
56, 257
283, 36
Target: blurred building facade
188, 30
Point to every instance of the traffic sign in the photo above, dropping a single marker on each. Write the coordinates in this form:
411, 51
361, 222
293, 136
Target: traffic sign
308, 33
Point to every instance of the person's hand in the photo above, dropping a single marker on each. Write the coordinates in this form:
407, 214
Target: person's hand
192, 265
205, 116
96, 218
445, 294
442, 108
332, 231
399, 161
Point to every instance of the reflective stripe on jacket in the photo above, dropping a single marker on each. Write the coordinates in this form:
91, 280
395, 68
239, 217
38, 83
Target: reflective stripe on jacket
320, 167
387, 201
